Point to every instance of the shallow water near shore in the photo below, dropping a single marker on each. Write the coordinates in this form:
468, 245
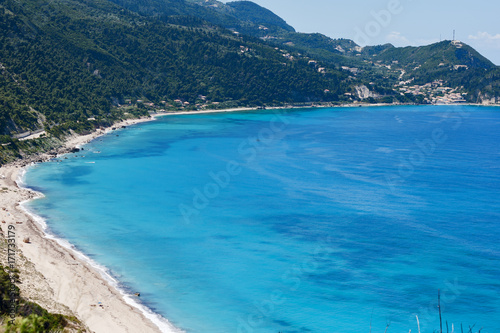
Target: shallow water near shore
309, 220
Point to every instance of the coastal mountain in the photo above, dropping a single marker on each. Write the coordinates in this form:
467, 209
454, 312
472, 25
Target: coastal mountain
243, 17
383, 67
63, 62
248, 11
251, 18
443, 54
77, 65
451, 64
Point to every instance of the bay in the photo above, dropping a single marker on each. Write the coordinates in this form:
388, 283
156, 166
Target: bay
303, 220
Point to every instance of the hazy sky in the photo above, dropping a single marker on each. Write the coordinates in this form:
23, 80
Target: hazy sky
400, 22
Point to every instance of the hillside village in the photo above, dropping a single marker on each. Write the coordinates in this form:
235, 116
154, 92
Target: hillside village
434, 93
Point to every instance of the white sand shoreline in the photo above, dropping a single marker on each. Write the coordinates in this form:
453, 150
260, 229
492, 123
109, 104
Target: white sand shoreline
72, 283
75, 284
156, 319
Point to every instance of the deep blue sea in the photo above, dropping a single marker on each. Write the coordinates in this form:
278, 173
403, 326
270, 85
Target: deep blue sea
305, 220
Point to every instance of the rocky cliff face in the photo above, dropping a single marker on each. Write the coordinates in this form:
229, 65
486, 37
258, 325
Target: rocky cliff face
486, 99
363, 92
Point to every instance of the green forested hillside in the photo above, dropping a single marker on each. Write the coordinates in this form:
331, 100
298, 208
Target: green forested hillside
66, 61
245, 17
443, 53
73, 64
455, 63
248, 11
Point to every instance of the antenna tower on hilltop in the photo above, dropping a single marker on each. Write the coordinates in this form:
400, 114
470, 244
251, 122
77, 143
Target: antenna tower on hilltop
453, 34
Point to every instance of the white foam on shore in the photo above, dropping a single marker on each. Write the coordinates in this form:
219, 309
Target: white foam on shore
162, 323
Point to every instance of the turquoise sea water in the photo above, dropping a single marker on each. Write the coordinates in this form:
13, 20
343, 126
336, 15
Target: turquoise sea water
319, 220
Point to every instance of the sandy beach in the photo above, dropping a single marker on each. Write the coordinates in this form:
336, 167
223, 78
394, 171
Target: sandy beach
57, 277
